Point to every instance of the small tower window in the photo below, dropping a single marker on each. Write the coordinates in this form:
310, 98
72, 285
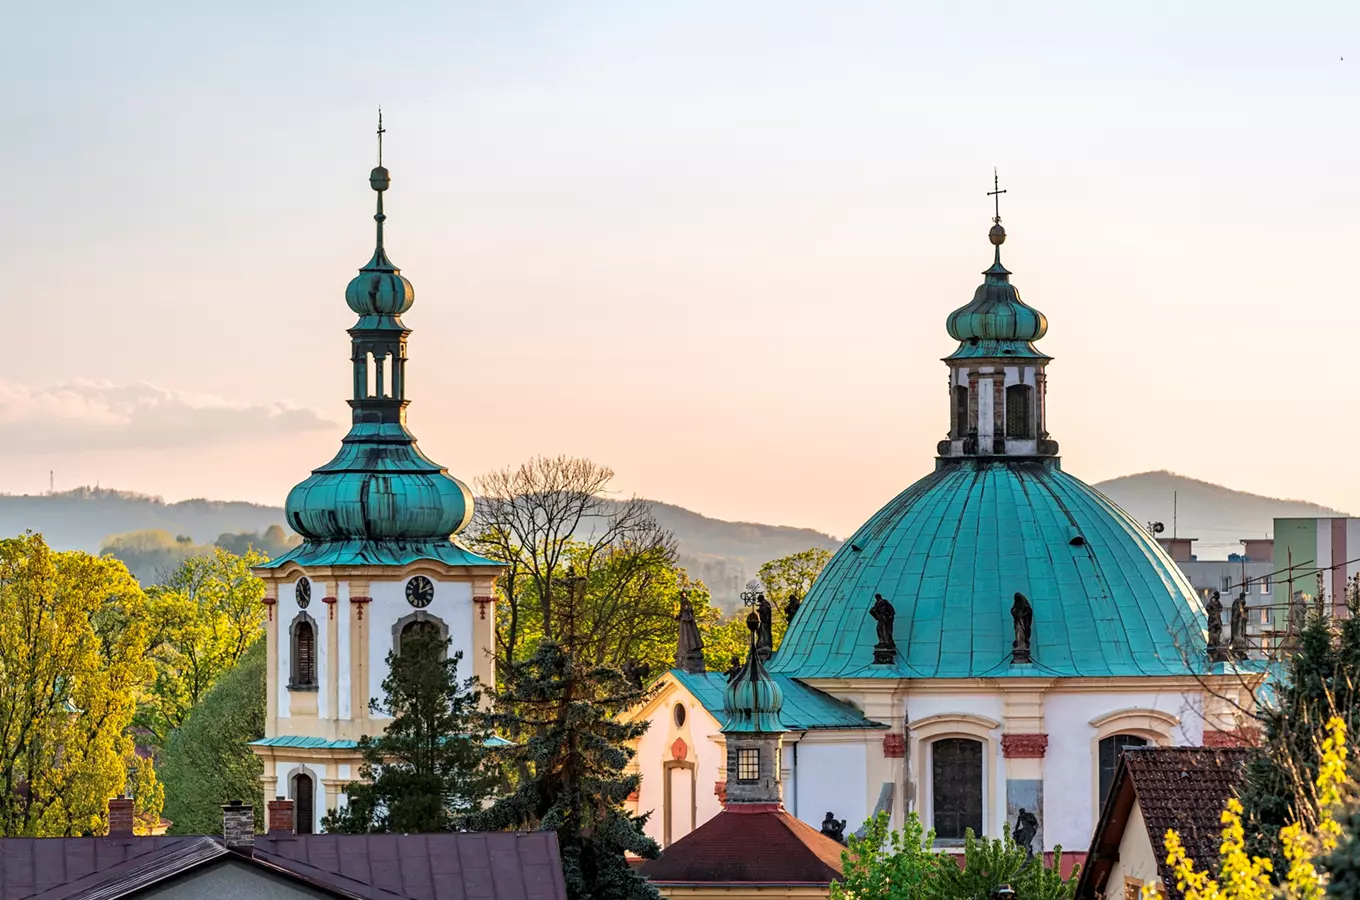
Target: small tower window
960, 410
1019, 423
303, 639
748, 765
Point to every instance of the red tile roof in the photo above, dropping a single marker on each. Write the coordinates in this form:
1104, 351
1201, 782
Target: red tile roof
770, 847
1180, 788
495, 866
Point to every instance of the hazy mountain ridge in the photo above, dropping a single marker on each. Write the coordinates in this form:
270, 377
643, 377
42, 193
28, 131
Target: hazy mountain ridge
723, 554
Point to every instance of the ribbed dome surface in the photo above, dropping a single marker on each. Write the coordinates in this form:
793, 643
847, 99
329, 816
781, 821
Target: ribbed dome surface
380, 289
753, 699
951, 551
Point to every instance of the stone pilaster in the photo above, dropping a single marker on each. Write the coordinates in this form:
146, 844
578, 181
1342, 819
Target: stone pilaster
1024, 742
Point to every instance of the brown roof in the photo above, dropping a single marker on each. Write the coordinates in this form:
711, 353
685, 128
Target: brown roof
493, 866
769, 847
1180, 788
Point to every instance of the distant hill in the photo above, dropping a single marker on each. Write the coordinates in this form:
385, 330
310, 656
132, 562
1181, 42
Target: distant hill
1218, 516
725, 555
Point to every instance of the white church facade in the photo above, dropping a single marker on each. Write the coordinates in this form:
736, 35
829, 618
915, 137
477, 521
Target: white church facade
981, 650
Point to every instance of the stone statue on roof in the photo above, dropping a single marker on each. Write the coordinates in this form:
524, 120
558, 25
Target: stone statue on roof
1023, 616
1213, 608
765, 633
791, 608
834, 828
636, 672
733, 669
884, 614
1239, 626
689, 649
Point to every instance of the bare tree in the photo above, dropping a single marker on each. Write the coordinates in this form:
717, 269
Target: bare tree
554, 513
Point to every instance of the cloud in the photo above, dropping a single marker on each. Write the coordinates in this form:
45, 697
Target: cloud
85, 414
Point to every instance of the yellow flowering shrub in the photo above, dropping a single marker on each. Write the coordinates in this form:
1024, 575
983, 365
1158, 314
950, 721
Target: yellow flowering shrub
1243, 877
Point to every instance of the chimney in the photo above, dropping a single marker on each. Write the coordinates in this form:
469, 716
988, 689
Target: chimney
120, 817
281, 818
238, 826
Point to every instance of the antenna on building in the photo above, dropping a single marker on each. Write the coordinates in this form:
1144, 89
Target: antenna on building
1156, 527
51, 481
1175, 510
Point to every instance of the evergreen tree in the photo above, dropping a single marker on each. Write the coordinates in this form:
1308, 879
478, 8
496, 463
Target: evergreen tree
569, 760
428, 770
1322, 680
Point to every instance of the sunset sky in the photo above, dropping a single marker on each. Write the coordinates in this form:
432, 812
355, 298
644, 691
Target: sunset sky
710, 244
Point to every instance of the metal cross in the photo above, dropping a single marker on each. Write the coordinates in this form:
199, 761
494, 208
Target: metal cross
381, 131
994, 194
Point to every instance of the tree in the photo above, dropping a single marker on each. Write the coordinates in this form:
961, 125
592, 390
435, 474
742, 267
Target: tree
203, 618
1245, 876
989, 863
273, 542
570, 769
73, 640
789, 577
550, 514
888, 865
428, 771
1322, 681
207, 761
153, 554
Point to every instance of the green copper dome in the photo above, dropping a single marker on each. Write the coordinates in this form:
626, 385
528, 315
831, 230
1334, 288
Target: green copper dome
753, 699
996, 322
380, 501
950, 553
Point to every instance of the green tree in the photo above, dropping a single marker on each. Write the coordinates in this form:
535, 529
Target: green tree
152, 555
1322, 680
989, 863
208, 761
203, 618
570, 769
789, 577
273, 542
888, 865
73, 640
428, 770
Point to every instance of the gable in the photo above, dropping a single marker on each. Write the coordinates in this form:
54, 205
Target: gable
233, 878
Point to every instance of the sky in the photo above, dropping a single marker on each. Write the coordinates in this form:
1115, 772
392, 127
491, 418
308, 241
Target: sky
711, 245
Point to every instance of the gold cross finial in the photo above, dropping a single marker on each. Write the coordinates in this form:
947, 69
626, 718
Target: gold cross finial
995, 194
381, 130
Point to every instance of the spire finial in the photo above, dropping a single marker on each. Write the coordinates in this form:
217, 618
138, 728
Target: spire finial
380, 134
995, 193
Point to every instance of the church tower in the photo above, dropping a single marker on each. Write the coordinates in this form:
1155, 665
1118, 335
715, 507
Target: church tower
379, 558
996, 376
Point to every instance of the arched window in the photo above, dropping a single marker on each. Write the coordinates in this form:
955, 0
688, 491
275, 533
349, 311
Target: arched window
304, 803
418, 622
956, 787
1018, 424
419, 627
1111, 748
960, 411
303, 634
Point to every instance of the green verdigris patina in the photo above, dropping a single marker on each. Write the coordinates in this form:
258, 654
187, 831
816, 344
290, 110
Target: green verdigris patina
380, 501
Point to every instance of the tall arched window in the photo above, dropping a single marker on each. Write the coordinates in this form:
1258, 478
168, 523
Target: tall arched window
303, 656
420, 626
1018, 419
304, 803
1111, 748
418, 622
960, 411
956, 787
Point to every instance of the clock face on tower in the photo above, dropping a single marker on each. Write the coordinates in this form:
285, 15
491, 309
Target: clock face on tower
419, 591
303, 593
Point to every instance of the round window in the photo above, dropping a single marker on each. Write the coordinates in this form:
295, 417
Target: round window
303, 592
679, 714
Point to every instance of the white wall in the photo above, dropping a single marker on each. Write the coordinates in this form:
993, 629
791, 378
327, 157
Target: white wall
1070, 765
833, 777
1136, 856
286, 610
654, 749
452, 603
342, 608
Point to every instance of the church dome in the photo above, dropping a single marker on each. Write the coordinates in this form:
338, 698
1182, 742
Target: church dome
950, 553
379, 290
996, 319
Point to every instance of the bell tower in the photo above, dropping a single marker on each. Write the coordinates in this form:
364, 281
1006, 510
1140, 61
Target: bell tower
379, 558
996, 376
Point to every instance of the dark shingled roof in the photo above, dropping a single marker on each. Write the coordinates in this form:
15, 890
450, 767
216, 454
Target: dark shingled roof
495, 866
769, 847
1180, 788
